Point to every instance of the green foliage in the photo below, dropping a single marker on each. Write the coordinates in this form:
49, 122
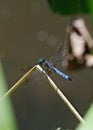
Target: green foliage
88, 119
7, 119
90, 5
69, 6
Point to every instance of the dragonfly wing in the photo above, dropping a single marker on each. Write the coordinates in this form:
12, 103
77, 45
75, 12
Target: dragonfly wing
61, 52
57, 71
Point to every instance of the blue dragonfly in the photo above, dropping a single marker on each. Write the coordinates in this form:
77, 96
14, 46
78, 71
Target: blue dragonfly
49, 68
60, 54
56, 59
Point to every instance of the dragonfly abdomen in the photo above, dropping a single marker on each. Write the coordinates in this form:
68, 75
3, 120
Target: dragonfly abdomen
61, 74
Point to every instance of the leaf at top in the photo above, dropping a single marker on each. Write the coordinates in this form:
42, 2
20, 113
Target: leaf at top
69, 6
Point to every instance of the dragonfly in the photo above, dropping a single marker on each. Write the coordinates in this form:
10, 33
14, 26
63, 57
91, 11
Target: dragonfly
49, 67
58, 58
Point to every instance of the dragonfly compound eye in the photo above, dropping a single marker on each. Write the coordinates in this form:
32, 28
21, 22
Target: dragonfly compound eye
41, 60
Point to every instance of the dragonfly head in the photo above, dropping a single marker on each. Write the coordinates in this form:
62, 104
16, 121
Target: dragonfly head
40, 61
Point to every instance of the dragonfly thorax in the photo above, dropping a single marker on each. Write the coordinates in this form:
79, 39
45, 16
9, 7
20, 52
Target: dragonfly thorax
46, 65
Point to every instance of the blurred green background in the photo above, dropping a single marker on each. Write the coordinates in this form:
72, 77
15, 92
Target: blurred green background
29, 30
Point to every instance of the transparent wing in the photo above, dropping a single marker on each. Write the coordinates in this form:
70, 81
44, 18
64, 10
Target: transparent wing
61, 52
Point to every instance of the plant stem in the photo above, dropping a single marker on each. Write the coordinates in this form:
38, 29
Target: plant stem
62, 96
57, 90
18, 83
